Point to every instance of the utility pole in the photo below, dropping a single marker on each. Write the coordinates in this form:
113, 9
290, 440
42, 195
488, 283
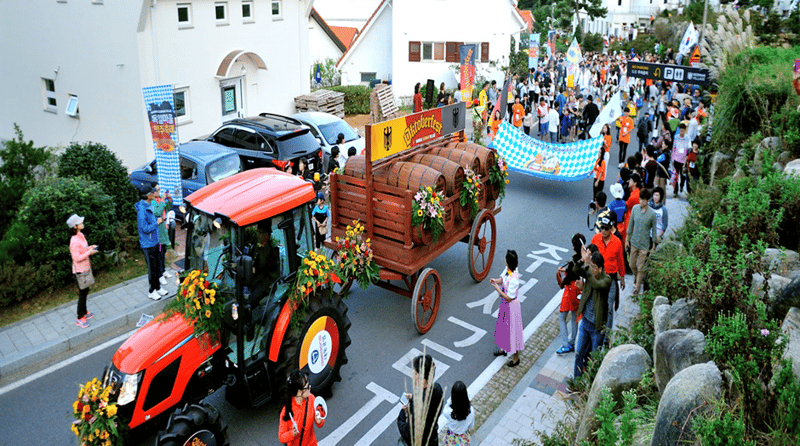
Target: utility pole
703, 28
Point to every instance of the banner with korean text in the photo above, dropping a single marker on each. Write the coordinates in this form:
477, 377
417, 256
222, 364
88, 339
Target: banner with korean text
160, 106
533, 51
560, 162
467, 58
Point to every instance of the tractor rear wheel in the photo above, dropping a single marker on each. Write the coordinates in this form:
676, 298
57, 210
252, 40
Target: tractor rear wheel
319, 347
200, 421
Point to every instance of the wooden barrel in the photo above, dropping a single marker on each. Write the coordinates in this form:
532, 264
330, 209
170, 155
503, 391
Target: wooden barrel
355, 167
453, 173
485, 155
411, 176
457, 156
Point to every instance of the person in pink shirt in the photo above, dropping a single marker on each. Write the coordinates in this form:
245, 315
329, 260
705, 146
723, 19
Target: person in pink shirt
80, 251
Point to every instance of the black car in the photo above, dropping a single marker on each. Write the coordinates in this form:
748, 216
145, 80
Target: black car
270, 140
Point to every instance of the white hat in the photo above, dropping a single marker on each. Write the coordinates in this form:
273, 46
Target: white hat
617, 191
74, 220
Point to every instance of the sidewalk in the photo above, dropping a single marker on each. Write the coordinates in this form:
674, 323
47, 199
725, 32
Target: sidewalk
42, 338
540, 398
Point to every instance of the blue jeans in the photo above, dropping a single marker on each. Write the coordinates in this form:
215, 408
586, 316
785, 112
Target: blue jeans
612, 296
589, 340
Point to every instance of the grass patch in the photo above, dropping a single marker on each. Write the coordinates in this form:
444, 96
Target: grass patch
134, 266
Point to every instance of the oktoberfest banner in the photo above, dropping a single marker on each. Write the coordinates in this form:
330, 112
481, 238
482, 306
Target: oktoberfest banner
533, 51
388, 138
560, 162
160, 106
467, 58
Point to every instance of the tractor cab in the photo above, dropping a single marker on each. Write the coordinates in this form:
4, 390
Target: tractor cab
249, 233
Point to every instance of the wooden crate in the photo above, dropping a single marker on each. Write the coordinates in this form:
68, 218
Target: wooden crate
321, 100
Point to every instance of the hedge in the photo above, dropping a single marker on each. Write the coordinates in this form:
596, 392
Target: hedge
356, 98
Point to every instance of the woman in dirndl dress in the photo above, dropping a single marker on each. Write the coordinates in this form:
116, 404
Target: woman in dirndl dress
508, 329
460, 418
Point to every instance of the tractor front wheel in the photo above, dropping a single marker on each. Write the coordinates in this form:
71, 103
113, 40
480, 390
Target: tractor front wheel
194, 422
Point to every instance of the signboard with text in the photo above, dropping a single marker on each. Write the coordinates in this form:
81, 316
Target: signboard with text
391, 137
672, 73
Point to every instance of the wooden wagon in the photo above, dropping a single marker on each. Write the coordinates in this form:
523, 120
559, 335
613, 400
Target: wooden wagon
377, 189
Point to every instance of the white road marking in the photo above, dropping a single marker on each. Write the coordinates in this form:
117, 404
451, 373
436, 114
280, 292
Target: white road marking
380, 396
381, 426
65, 363
403, 365
442, 349
477, 333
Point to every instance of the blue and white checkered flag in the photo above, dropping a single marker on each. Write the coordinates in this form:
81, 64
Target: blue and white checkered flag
560, 162
160, 105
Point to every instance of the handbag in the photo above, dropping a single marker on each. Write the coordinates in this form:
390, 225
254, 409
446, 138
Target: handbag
323, 229
85, 279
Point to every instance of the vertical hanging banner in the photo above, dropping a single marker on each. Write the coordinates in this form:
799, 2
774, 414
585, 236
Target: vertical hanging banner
574, 58
467, 57
533, 51
551, 42
160, 105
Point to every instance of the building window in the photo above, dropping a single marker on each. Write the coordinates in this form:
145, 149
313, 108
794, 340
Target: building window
247, 11
277, 9
438, 51
427, 51
221, 12
451, 51
181, 98
368, 77
184, 15
413, 51
49, 94
72, 106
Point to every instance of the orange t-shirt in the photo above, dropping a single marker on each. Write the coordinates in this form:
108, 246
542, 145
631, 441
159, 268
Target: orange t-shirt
518, 113
626, 128
607, 142
600, 170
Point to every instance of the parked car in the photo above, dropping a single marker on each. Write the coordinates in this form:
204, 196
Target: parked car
270, 140
202, 163
326, 128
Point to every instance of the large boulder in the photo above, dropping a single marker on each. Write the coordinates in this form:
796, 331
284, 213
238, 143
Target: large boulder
686, 391
781, 261
775, 284
792, 168
791, 327
660, 300
682, 314
675, 350
721, 165
661, 317
788, 297
622, 369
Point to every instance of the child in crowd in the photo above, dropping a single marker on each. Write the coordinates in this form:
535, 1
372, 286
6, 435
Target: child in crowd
568, 281
460, 418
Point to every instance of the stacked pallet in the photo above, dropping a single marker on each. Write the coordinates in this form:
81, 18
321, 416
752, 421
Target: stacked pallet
321, 100
382, 104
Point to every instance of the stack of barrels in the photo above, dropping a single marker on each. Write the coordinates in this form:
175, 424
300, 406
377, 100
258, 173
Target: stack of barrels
440, 167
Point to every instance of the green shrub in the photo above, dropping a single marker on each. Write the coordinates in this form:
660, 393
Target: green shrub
788, 389
19, 161
356, 98
20, 282
592, 42
721, 429
95, 162
39, 235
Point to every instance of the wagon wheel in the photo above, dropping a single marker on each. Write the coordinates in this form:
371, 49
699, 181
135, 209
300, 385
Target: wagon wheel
425, 300
481, 245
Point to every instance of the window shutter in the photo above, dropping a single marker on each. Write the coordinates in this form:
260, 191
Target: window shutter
484, 51
414, 51
451, 52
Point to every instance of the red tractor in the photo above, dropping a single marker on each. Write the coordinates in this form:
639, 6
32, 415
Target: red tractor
249, 232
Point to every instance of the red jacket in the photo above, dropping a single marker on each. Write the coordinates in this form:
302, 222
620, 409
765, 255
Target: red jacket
285, 434
612, 253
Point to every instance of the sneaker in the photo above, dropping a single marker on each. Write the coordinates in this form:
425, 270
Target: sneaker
162, 292
154, 295
162, 280
88, 315
82, 322
563, 350
167, 274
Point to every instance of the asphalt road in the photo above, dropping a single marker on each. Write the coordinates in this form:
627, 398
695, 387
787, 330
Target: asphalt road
538, 219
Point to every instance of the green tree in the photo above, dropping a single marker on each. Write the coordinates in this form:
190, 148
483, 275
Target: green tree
19, 163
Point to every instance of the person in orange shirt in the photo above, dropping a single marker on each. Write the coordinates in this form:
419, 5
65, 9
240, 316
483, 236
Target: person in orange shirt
599, 173
299, 413
625, 130
495, 122
517, 113
606, 132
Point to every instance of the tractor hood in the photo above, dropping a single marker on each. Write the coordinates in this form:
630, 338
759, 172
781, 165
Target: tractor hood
151, 342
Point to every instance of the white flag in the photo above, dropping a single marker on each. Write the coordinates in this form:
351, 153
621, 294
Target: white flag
608, 114
689, 40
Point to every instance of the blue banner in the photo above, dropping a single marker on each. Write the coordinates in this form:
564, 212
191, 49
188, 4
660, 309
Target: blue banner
160, 105
561, 162
533, 51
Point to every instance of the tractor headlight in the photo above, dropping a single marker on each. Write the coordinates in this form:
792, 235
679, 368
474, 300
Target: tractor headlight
128, 389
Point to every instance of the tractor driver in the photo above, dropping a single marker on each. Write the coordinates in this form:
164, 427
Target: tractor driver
266, 262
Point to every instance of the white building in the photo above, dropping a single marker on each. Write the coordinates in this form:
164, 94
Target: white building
323, 42
626, 15
401, 44
101, 53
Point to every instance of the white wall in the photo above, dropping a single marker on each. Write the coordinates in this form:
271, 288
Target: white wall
321, 46
373, 52
93, 47
447, 21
